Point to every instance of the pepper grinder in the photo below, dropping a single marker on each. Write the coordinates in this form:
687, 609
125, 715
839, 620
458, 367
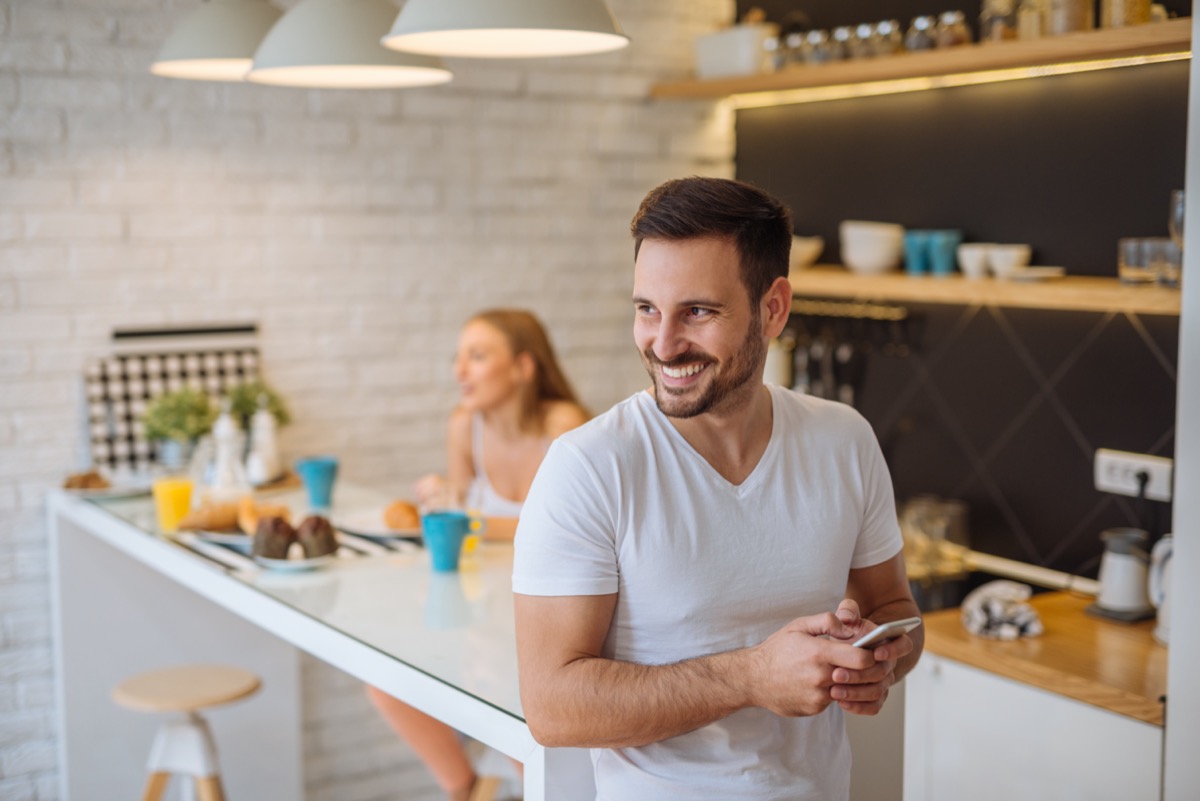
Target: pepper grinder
262, 463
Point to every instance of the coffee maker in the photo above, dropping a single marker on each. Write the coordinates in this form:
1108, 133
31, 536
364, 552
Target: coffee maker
1124, 576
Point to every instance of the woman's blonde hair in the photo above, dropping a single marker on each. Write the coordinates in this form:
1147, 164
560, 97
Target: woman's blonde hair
526, 334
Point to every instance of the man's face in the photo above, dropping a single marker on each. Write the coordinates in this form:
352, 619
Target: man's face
700, 337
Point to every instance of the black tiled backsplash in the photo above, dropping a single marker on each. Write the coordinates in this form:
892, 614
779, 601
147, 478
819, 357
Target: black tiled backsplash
1004, 408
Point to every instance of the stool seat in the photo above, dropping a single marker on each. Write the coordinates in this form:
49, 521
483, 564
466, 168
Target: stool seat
185, 688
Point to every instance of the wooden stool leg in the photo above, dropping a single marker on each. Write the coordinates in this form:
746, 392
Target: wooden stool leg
485, 788
208, 788
155, 785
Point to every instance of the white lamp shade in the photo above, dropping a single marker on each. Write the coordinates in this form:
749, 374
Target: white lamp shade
215, 42
335, 44
505, 28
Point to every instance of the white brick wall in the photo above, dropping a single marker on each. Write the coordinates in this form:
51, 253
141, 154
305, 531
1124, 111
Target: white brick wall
359, 229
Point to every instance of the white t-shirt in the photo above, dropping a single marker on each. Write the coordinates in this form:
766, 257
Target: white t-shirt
625, 505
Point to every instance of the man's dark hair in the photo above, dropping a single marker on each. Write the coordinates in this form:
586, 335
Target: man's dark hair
759, 225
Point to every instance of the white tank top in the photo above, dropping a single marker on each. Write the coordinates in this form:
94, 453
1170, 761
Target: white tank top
481, 497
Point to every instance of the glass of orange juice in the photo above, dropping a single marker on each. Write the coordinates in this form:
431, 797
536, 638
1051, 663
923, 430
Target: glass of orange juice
172, 499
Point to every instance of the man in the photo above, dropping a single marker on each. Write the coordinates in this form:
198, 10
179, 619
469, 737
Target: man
692, 566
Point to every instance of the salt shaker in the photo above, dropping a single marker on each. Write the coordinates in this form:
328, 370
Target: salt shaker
262, 463
229, 476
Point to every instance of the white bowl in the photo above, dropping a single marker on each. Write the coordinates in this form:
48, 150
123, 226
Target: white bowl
1006, 259
871, 247
973, 258
805, 251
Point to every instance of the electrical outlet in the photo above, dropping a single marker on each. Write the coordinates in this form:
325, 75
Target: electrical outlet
1117, 472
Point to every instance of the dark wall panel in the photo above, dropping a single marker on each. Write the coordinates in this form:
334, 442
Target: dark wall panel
1068, 164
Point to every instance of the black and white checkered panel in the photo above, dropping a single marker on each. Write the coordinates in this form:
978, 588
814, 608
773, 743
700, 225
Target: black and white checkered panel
119, 387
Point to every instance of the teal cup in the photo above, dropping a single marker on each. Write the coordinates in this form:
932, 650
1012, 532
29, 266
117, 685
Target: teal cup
943, 251
318, 474
916, 252
444, 533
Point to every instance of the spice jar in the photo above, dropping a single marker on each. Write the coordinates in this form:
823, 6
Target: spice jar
952, 30
997, 21
920, 34
888, 37
1119, 13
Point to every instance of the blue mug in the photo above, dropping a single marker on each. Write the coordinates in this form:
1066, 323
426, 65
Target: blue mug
444, 533
318, 474
943, 251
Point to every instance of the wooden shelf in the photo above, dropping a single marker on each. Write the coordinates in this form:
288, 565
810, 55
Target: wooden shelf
1072, 293
1172, 36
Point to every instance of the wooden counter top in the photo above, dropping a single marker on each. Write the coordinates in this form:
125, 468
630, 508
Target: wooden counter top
1115, 666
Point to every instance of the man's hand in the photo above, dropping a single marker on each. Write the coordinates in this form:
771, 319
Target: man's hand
863, 692
796, 666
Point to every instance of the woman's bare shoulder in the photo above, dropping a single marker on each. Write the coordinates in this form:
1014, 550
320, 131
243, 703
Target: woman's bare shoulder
562, 416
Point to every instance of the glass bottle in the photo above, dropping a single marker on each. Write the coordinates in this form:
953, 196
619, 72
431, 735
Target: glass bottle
1030, 19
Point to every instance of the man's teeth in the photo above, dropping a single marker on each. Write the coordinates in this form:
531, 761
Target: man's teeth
682, 372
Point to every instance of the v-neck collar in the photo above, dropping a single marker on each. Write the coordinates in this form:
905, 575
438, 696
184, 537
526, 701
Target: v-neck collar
756, 475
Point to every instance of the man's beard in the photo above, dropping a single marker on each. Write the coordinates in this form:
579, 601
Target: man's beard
722, 385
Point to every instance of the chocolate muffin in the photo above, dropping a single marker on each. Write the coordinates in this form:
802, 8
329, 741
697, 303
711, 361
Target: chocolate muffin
316, 536
273, 537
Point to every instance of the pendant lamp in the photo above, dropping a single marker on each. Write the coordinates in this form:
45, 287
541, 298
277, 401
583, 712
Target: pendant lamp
335, 44
505, 28
215, 42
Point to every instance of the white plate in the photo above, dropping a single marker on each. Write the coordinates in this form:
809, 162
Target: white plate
295, 565
369, 523
241, 542
121, 487
1036, 274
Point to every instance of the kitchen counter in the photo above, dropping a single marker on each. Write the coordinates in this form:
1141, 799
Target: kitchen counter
128, 598
1115, 666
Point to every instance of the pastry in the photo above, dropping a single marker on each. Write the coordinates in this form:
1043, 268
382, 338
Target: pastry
250, 512
317, 537
273, 538
211, 517
90, 480
401, 515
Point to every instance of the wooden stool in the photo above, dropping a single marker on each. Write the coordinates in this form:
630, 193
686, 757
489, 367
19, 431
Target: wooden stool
185, 746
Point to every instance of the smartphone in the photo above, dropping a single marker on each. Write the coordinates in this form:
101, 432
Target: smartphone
887, 631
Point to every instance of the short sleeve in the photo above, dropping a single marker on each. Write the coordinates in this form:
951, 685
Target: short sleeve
879, 538
566, 540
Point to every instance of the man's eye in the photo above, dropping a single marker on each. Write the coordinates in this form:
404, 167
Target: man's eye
697, 311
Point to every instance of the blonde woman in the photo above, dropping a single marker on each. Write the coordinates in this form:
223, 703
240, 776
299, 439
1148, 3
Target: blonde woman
514, 400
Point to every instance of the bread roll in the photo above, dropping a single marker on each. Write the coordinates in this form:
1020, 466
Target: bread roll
401, 515
211, 517
249, 513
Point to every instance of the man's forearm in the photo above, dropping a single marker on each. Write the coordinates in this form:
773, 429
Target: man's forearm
897, 610
602, 703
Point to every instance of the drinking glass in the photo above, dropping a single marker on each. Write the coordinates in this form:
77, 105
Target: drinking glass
1175, 222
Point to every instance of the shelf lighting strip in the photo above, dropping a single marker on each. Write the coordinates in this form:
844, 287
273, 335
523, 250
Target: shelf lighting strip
818, 94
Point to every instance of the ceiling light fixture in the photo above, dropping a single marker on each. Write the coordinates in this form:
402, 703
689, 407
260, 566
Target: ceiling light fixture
334, 44
505, 28
215, 42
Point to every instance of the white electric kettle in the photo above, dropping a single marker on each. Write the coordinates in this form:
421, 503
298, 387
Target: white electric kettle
1123, 573
1160, 584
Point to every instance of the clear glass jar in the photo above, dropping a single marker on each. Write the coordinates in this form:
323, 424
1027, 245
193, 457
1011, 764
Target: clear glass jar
997, 21
952, 30
888, 37
861, 43
921, 34
816, 47
840, 42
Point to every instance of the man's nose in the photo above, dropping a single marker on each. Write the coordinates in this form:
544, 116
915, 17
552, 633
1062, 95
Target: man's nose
669, 341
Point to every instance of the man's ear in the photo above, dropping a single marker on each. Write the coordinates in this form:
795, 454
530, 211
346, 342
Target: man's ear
776, 307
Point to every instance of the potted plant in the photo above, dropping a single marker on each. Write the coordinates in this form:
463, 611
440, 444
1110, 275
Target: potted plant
175, 421
244, 400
